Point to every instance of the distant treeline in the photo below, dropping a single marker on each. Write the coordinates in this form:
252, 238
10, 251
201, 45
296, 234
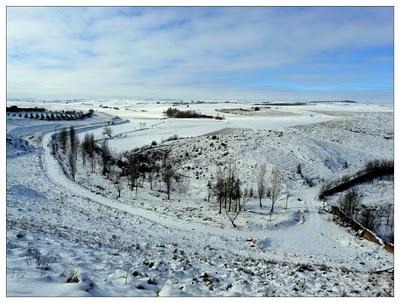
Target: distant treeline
282, 103
176, 113
16, 109
42, 114
333, 101
302, 103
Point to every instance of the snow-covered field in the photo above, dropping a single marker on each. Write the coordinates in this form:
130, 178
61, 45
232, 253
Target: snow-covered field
144, 245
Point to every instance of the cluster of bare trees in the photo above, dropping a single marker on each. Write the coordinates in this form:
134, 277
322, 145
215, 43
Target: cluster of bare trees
261, 182
133, 173
349, 202
88, 147
62, 140
378, 219
275, 185
231, 195
164, 170
68, 142
168, 174
130, 167
106, 158
227, 190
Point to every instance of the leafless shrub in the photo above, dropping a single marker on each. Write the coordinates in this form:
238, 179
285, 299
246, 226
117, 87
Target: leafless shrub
275, 186
105, 157
261, 186
116, 179
72, 164
72, 277
168, 175
349, 202
62, 139
107, 131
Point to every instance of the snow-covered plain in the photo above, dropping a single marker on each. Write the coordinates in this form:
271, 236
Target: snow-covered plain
144, 245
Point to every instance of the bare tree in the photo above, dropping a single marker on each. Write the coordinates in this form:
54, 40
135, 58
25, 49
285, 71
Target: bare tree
209, 190
261, 181
368, 218
83, 151
237, 194
230, 192
117, 180
275, 186
150, 177
72, 164
219, 188
107, 131
287, 199
390, 223
77, 145
90, 150
105, 157
349, 202
73, 139
62, 138
168, 175
245, 198
133, 172
53, 144
181, 186
232, 216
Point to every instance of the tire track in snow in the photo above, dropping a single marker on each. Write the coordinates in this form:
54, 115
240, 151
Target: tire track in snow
280, 239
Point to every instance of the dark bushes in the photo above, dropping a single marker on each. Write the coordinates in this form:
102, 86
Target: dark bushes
379, 166
16, 109
176, 113
373, 169
349, 202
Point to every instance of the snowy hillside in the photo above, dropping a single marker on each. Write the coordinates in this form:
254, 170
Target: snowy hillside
98, 236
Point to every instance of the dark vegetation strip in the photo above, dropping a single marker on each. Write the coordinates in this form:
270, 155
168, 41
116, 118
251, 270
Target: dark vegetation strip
16, 109
176, 113
43, 114
374, 169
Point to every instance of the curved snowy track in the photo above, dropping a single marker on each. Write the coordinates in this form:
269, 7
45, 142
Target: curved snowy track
315, 236
56, 175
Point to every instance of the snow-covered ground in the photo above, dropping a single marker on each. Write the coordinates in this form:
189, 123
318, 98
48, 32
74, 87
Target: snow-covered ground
144, 245
157, 128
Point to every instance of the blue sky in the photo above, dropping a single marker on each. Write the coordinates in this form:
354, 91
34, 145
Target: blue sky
201, 53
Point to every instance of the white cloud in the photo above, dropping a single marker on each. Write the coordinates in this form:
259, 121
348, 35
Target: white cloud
174, 52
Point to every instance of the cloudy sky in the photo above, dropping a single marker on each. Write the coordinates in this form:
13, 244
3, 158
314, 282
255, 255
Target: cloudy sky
201, 53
